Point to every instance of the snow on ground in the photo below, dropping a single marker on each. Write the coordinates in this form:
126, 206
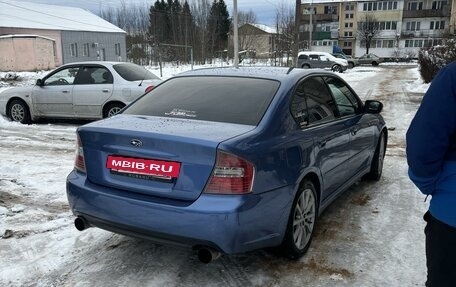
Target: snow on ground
372, 235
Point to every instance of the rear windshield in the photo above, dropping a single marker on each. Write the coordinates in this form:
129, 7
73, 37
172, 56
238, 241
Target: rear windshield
132, 72
220, 99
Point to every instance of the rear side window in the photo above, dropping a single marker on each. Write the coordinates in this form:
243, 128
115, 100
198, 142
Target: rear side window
220, 99
132, 72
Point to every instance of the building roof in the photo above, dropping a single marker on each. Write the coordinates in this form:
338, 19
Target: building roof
20, 14
267, 29
25, 36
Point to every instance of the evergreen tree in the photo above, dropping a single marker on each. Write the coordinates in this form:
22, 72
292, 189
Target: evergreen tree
218, 27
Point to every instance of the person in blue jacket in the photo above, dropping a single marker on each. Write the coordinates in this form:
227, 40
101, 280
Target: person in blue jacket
431, 156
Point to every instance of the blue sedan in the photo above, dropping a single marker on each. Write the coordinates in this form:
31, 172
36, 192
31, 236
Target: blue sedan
227, 160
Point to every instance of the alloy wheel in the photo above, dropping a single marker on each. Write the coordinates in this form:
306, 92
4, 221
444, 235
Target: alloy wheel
304, 218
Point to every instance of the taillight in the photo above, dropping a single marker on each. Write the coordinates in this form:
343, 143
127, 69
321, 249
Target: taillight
79, 163
231, 175
149, 88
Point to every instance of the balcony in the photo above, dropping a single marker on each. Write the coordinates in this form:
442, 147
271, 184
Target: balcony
320, 18
424, 34
444, 12
318, 36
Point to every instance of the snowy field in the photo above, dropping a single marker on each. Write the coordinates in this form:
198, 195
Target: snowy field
371, 236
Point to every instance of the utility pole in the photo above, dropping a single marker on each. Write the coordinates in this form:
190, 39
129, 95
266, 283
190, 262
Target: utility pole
310, 25
236, 37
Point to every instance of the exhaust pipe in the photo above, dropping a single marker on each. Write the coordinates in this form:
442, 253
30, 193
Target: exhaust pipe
80, 223
207, 254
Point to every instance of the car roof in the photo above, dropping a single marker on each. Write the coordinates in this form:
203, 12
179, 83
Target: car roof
97, 63
313, 52
282, 74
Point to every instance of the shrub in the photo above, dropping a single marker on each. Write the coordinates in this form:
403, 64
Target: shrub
432, 59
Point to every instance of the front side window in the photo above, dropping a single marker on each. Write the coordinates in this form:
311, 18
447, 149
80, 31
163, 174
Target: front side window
62, 77
346, 102
318, 100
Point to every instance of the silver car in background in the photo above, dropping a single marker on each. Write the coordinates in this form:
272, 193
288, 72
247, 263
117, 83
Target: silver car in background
352, 62
84, 90
322, 60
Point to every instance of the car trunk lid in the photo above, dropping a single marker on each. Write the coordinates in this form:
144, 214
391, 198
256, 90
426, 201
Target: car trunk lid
156, 156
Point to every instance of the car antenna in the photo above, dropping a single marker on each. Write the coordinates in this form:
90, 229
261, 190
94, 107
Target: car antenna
144, 76
290, 69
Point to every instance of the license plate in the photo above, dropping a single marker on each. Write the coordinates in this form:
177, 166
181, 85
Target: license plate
150, 167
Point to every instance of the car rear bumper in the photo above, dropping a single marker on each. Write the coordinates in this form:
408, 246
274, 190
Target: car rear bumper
228, 223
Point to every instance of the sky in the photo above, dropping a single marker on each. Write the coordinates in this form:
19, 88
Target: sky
265, 10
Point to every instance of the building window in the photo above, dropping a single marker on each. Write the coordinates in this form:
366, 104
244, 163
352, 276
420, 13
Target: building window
330, 10
74, 49
414, 43
348, 34
437, 25
117, 47
349, 25
437, 5
382, 5
388, 44
347, 44
413, 26
85, 50
413, 6
349, 16
349, 7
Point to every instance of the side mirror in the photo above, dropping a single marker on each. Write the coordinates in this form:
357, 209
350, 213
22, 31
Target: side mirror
373, 107
39, 82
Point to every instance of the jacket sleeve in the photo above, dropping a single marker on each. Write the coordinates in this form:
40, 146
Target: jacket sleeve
431, 132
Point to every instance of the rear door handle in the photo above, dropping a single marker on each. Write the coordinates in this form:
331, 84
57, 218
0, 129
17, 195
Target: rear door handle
105, 91
65, 91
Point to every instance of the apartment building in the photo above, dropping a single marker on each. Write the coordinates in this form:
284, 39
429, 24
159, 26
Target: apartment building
388, 28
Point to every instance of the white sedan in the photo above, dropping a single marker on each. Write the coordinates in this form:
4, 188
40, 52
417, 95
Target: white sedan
85, 90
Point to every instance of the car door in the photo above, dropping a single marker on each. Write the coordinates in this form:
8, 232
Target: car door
93, 87
314, 110
54, 97
362, 130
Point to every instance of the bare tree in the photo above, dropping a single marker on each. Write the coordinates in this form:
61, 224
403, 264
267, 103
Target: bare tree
246, 17
368, 29
286, 30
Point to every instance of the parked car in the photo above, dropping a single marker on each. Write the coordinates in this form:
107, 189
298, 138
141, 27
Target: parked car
370, 59
85, 90
314, 59
249, 166
352, 62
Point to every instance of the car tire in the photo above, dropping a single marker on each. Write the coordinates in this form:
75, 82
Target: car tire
351, 65
375, 64
375, 172
301, 222
305, 66
18, 111
112, 109
337, 68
